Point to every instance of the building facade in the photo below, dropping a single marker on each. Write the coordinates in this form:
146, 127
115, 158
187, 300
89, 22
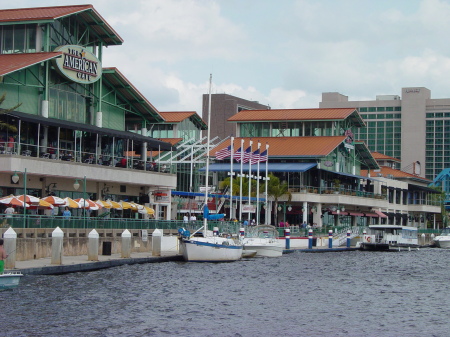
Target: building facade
412, 127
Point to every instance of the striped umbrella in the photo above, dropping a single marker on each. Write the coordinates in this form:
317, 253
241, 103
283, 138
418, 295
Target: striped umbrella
54, 200
71, 203
103, 203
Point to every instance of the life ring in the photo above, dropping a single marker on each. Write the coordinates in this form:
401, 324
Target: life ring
368, 239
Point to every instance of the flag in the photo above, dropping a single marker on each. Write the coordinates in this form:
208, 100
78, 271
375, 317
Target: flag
247, 155
263, 157
237, 155
221, 154
255, 158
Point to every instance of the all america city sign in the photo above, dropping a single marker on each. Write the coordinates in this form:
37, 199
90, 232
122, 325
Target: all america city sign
78, 64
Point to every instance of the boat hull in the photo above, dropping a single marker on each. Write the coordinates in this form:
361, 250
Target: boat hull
387, 247
264, 247
9, 280
215, 249
442, 243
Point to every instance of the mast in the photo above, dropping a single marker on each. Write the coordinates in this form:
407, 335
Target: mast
205, 222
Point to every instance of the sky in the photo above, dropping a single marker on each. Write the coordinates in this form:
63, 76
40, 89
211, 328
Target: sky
280, 53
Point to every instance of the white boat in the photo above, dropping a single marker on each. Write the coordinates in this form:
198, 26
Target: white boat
390, 237
10, 280
263, 239
443, 240
210, 246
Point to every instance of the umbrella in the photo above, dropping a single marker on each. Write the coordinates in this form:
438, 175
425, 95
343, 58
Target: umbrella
145, 210
114, 204
71, 203
87, 203
54, 200
13, 201
29, 199
103, 203
126, 205
42, 205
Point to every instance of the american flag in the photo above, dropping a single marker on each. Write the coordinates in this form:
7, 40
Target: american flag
247, 155
221, 154
263, 157
237, 155
255, 157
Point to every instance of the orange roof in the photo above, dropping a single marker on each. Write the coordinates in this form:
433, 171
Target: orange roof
385, 170
176, 116
10, 63
288, 146
98, 24
291, 114
172, 141
381, 156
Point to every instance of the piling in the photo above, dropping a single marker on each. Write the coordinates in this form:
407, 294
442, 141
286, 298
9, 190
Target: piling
57, 246
330, 238
93, 245
10, 247
126, 244
310, 239
156, 242
348, 238
287, 235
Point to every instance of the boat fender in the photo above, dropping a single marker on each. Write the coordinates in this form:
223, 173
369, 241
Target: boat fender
225, 243
368, 239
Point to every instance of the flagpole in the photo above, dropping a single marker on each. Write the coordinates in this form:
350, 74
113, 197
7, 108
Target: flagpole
231, 178
257, 184
267, 183
205, 222
250, 180
240, 187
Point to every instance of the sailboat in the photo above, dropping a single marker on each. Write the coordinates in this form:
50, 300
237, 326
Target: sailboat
209, 246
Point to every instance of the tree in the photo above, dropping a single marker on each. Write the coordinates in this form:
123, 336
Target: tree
276, 190
4, 125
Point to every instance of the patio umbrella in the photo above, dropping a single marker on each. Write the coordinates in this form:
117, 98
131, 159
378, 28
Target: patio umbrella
145, 210
114, 204
54, 200
87, 203
13, 201
126, 205
42, 205
103, 203
71, 203
29, 199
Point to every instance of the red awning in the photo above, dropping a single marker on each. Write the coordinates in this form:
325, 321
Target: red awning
371, 214
355, 213
381, 214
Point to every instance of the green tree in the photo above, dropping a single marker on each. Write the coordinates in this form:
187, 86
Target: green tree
4, 125
276, 190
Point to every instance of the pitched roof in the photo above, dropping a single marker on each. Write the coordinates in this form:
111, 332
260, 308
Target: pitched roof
293, 114
179, 116
49, 14
10, 63
381, 156
385, 170
307, 147
129, 92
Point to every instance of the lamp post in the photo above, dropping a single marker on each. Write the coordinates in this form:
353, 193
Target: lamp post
289, 208
15, 180
76, 186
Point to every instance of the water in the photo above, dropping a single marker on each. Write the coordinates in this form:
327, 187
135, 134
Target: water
324, 294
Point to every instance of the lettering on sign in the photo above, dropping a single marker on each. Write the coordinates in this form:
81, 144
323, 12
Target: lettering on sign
412, 90
78, 64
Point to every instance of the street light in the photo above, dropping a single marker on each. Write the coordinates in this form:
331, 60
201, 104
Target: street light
15, 180
289, 208
76, 186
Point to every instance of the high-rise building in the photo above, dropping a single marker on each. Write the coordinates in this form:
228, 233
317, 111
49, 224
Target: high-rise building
224, 106
414, 127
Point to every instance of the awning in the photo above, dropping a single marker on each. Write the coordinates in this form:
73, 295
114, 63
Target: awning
272, 167
352, 175
380, 214
355, 213
374, 215
151, 142
213, 195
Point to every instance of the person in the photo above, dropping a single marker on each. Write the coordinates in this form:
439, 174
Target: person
245, 223
9, 212
123, 162
253, 222
304, 224
193, 218
3, 256
66, 214
185, 219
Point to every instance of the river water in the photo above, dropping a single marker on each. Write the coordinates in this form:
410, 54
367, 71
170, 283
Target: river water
299, 294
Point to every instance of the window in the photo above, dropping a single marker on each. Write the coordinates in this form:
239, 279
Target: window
362, 109
381, 109
430, 115
380, 116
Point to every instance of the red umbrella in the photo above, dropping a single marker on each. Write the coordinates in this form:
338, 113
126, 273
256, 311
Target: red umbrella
13, 201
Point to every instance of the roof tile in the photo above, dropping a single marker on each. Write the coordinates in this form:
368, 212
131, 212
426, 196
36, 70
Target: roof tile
292, 114
10, 63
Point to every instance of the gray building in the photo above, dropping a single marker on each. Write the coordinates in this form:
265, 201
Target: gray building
413, 128
224, 106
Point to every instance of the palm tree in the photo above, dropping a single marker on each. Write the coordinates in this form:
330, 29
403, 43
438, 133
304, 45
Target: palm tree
276, 190
4, 125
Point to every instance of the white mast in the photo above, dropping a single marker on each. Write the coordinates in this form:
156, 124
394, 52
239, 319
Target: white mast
205, 222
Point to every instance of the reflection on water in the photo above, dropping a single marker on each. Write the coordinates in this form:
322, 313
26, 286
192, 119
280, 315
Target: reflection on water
324, 294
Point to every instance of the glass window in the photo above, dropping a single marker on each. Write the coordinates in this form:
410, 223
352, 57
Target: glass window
430, 115
390, 116
398, 116
447, 114
8, 35
389, 108
439, 115
380, 116
397, 108
363, 109
381, 109
372, 109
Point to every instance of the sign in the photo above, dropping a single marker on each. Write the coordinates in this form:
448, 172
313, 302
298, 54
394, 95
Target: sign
77, 64
349, 146
202, 189
144, 235
161, 196
328, 163
248, 209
